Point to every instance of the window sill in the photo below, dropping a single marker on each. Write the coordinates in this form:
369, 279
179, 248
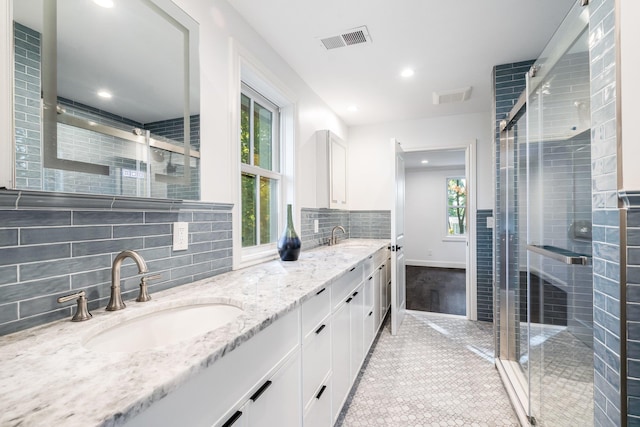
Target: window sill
455, 238
257, 255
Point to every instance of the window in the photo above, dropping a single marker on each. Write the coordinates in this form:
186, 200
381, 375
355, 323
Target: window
456, 206
260, 168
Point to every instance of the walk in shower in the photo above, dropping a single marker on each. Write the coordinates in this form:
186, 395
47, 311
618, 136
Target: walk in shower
544, 286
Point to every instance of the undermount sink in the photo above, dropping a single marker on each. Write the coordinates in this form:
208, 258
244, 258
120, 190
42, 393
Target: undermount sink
162, 328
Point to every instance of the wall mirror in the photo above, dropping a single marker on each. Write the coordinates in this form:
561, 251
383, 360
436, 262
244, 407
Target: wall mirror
106, 98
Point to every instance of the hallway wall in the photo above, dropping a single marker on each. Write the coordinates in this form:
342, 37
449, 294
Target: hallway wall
426, 242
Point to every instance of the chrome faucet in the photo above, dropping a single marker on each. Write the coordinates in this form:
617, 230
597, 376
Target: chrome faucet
115, 302
334, 238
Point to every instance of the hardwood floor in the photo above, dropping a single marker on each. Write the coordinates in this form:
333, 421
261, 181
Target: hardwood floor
437, 290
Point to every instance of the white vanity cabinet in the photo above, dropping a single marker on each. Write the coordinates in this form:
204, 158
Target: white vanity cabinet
347, 345
221, 394
370, 328
298, 371
316, 358
274, 403
331, 173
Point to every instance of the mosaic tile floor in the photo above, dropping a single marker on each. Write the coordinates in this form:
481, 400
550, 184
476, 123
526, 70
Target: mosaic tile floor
438, 371
562, 378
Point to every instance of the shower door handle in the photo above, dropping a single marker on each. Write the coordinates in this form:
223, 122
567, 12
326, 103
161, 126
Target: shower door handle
563, 255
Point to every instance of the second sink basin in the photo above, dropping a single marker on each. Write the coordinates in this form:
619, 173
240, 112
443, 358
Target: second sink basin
162, 328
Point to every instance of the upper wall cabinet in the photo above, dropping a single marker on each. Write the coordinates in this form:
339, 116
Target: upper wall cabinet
106, 98
331, 174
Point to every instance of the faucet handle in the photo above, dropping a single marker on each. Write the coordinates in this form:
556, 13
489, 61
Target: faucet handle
82, 313
144, 293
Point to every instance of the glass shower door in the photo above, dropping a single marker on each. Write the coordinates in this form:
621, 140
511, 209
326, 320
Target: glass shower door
558, 248
544, 319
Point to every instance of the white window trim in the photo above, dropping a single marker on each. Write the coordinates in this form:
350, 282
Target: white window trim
246, 68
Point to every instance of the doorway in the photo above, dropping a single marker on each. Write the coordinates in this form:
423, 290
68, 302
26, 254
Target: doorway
440, 230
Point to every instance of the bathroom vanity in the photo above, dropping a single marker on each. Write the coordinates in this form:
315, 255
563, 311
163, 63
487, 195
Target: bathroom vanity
289, 358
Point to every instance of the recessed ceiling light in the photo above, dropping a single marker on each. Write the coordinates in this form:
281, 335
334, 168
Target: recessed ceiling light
104, 94
104, 3
407, 72
424, 162
352, 108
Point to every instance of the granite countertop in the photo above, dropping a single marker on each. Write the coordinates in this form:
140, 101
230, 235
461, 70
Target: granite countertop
49, 378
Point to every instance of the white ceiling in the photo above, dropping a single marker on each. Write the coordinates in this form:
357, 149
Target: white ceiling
451, 44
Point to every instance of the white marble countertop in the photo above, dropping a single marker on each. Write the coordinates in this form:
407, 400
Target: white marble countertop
47, 376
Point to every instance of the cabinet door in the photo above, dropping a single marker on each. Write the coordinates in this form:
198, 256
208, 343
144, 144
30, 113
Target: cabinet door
383, 293
369, 329
340, 357
338, 174
357, 331
377, 301
276, 403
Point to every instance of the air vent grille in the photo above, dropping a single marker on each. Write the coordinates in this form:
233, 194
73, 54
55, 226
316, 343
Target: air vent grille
333, 42
452, 96
354, 38
347, 38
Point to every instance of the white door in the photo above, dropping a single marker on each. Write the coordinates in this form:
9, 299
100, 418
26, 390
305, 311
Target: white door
398, 288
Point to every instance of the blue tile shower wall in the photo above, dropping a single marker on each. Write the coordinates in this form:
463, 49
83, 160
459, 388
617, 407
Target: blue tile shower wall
98, 148
28, 128
509, 82
633, 313
358, 224
484, 265
607, 311
54, 244
173, 129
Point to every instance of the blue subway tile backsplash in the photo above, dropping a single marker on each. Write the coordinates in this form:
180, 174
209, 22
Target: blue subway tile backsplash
358, 224
69, 247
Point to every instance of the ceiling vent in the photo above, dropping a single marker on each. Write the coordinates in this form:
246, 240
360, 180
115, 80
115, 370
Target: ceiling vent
451, 96
347, 38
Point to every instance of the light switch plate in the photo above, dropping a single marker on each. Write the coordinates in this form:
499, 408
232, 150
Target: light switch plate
316, 226
180, 236
490, 222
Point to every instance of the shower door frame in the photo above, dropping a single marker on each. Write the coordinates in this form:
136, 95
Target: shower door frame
517, 384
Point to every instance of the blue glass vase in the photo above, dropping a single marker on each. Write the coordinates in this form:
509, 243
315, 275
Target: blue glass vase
289, 243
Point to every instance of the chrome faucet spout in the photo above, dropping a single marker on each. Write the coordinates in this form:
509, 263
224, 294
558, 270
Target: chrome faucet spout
115, 302
334, 238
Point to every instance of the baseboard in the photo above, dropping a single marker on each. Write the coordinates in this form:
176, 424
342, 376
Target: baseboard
439, 264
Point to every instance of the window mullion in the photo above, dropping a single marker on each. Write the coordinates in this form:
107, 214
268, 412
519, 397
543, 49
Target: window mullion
258, 214
251, 130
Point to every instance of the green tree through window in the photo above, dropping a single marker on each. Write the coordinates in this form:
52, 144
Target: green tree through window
259, 156
456, 206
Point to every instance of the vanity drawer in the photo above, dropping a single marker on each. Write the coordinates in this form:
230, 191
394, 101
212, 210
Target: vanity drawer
316, 359
344, 286
319, 410
315, 309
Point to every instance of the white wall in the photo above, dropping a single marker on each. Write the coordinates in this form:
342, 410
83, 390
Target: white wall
371, 159
425, 220
219, 23
630, 92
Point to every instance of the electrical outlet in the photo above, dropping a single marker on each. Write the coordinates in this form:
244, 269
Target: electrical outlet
316, 226
180, 236
429, 252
